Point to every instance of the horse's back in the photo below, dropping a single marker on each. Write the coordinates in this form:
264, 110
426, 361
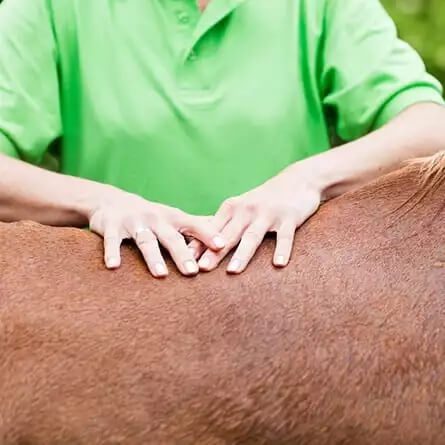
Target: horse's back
346, 345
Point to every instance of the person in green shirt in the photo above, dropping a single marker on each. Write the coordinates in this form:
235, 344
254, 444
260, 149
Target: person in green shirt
208, 119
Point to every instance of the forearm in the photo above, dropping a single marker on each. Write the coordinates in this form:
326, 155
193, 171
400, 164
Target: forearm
417, 132
32, 193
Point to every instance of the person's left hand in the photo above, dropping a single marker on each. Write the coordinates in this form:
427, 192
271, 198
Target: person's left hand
279, 205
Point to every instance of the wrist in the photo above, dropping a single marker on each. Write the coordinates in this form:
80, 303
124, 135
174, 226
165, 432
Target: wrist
314, 174
90, 195
328, 173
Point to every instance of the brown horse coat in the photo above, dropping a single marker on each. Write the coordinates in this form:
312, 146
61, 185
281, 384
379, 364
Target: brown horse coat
345, 346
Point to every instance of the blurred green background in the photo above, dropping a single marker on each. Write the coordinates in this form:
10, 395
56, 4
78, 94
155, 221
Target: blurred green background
422, 24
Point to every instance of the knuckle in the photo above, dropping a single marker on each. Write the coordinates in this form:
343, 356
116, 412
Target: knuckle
231, 242
287, 209
231, 237
111, 239
295, 212
282, 212
140, 219
174, 214
252, 235
250, 207
144, 237
229, 204
111, 228
152, 218
131, 222
173, 237
100, 222
149, 245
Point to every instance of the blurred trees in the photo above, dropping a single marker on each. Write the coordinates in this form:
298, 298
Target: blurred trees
422, 24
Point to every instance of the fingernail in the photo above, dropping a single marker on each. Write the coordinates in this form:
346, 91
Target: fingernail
279, 261
219, 242
234, 265
160, 269
191, 266
113, 262
204, 262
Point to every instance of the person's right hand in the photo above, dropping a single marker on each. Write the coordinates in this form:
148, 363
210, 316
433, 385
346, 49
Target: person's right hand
121, 215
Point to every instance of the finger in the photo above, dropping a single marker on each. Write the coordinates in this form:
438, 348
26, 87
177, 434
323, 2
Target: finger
148, 245
285, 242
112, 245
174, 242
225, 213
250, 241
232, 234
202, 230
197, 248
218, 222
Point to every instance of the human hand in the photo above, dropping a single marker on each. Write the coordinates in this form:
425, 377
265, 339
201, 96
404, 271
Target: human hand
280, 205
120, 215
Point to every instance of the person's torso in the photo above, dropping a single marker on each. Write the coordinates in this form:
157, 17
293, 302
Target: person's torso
187, 108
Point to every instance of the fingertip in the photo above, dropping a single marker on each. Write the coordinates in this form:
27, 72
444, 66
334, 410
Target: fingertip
235, 266
280, 261
218, 242
112, 262
204, 264
161, 270
191, 267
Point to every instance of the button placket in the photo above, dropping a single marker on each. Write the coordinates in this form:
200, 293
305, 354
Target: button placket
186, 18
191, 77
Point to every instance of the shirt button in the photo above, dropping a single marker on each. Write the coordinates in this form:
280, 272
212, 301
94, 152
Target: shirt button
192, 56
183, 18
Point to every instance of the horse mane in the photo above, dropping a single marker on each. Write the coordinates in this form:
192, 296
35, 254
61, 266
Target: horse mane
432, 171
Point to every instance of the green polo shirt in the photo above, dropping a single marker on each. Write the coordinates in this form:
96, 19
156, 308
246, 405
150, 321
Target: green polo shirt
186, 108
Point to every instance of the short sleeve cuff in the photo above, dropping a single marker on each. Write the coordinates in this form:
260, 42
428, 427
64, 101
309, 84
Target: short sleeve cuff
7, 147
405, 99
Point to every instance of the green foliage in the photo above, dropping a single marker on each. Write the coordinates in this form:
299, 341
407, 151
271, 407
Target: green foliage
422, 24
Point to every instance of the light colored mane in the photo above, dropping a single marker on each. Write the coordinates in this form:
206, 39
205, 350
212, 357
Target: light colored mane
432, 171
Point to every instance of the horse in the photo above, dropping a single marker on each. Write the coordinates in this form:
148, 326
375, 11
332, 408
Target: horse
344, 346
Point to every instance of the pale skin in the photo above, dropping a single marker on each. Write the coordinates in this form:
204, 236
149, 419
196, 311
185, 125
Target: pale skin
279, 205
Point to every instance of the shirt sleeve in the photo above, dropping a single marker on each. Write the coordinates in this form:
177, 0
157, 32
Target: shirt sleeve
29, 92
368, 75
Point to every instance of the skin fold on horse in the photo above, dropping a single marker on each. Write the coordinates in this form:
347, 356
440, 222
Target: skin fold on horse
345, 346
